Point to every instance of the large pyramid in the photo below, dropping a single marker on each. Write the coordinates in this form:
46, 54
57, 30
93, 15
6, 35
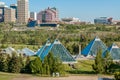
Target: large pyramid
114, 51
93, 47
57, 49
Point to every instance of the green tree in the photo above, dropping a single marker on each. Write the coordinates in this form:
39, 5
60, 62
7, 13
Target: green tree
117, 75
46, 68
98, 66
102, 63
15, 64
36, 66
108, 61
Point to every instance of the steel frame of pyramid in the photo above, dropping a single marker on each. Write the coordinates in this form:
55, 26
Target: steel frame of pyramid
93, 47
58, 50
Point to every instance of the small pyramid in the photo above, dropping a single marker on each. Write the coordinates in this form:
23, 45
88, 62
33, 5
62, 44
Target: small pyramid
58, 50
93, 47
114, 51
28, 52
10, 50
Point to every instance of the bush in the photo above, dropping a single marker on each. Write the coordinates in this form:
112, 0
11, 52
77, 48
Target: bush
117, 76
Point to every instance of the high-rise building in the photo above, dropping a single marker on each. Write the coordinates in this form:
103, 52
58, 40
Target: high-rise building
23, 11
14, 6
33, 15
2, 7
9, 15
48, 15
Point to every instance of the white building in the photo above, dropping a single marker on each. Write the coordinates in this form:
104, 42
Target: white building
70, 20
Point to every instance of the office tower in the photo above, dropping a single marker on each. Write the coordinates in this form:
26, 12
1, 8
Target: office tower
9, 15
14, 6
48, 15
2, 7
22, 10
33, 15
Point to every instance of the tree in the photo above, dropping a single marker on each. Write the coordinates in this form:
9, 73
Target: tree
102, 63
53, 64
107, 62
4, 60
46, 68
57, 66
36, 66
98, 66
117, 75
26, 68
15, 64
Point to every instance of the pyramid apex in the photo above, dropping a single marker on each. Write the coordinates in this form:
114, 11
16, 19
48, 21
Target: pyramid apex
97, 38
48, 42
57, 41
114, 45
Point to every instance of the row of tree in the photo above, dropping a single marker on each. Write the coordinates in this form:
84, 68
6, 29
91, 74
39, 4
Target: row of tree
18, 64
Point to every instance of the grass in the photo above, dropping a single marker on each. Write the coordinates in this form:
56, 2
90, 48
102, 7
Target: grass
82, 67
7, 76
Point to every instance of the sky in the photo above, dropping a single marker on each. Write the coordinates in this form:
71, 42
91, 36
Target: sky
86, 10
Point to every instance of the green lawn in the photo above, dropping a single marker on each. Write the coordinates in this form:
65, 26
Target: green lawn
82, 67
7, 76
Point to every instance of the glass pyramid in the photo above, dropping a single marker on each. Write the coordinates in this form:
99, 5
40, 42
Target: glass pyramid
93, 47
114, 52
57, 49
10, 50
28, 52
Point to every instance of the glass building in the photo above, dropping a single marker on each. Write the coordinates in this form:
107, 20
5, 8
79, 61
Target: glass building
58, 51
103, 20
93, 47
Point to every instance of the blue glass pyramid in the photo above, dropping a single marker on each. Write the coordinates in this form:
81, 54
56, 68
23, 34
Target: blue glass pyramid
93, 47
114, 51
57, 49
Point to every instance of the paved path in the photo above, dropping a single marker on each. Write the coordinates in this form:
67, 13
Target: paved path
59, 78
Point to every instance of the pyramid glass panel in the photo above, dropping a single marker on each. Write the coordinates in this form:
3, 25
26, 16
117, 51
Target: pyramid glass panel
93, 47
28, 52
61, 52
43, 51
114, 51
58, 50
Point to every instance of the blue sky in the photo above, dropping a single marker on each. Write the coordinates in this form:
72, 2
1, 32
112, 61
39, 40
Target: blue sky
86, 10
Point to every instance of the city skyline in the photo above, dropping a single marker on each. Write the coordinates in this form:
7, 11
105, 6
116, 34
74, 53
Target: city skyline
86, 10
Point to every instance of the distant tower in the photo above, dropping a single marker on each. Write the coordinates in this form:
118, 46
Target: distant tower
23, 11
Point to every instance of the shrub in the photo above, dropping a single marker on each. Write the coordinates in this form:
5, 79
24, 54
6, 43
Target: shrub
117, 76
